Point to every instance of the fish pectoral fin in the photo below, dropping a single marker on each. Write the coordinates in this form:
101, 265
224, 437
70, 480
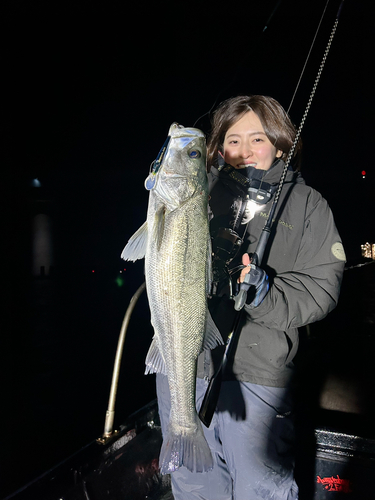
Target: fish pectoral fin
154, 360
158, 229
212, 336
136, 246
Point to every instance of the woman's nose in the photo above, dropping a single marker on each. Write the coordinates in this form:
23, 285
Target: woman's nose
246, 151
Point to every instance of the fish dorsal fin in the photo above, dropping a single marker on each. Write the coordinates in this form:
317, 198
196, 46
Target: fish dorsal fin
136, 246
212, 336
154, 360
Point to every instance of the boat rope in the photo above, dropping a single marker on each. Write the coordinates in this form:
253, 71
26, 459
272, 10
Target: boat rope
307, 109
307, 58
271, 16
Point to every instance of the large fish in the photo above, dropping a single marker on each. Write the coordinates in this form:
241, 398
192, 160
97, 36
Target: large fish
175, 242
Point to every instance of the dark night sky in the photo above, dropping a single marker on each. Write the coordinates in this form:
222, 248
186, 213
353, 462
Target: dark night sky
88, 94
92, 89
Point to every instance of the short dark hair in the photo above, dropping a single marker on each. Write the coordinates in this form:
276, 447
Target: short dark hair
276, 123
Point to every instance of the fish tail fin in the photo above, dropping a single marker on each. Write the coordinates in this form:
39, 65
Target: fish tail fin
185, 448
136, 246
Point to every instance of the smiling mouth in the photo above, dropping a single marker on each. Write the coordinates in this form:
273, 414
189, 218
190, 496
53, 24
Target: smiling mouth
245, 165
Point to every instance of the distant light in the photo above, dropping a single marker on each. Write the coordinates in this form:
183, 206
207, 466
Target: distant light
36, 183
368, 250
42, 244
119, 281
93, 271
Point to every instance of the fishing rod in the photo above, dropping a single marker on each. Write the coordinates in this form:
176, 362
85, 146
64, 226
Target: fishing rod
213, 390
238, 70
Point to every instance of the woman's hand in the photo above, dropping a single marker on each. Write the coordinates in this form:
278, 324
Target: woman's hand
246, 261
251, 275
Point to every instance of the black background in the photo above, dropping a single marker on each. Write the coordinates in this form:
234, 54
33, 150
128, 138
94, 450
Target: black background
89, 91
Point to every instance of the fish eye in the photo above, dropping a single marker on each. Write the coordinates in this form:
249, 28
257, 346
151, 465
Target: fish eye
194, 153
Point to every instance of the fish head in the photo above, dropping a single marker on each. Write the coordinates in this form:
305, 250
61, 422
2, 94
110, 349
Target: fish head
182, 172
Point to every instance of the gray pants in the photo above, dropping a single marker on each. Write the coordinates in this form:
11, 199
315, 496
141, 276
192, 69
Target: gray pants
251, 439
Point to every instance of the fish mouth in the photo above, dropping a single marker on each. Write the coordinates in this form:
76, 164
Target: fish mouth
176, 130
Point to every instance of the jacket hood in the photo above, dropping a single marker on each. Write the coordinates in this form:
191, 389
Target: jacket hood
272, 176
238, 180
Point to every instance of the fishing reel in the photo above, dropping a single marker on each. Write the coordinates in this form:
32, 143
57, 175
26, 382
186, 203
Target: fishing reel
225, 246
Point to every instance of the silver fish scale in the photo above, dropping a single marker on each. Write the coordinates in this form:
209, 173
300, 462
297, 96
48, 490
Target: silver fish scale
176, 280
175, 242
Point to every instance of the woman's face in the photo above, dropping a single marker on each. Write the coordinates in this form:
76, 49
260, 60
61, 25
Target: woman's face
246, 144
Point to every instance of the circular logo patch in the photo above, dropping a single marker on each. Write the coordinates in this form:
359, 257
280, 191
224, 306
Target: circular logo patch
338, 251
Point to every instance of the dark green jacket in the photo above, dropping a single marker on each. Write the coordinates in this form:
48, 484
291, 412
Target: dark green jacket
304, 260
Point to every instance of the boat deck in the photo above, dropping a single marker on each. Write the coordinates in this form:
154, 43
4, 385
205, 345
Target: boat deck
337, 437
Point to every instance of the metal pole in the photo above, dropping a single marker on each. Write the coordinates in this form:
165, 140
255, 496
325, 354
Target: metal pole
110, 414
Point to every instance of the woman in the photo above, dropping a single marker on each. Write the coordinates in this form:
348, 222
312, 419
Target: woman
251, 434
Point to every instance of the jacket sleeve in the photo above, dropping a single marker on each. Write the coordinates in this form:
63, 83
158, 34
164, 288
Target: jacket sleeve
311, 290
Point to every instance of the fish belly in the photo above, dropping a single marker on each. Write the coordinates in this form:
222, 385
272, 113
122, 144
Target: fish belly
176, 274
